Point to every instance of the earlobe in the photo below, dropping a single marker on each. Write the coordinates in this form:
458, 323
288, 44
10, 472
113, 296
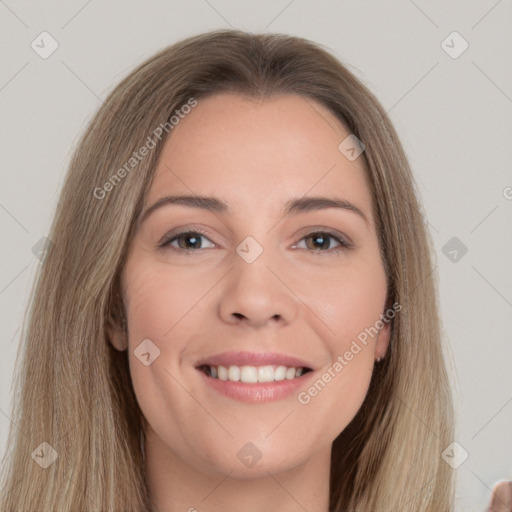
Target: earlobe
115, 322
116, 336
382, 344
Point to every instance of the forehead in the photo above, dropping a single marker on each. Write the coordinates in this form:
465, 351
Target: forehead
257, 153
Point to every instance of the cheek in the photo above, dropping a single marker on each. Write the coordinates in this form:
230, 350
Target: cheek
350, 306
157, 305
157, 299
349, 301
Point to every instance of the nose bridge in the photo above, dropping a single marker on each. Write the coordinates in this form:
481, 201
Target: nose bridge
251, 267
254, 291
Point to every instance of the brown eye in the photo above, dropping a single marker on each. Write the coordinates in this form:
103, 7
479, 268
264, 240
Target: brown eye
187, 240
321, 242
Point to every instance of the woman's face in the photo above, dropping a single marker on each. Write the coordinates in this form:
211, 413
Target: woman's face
257, 279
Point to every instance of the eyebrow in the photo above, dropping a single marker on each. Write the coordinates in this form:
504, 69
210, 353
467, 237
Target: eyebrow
293, 206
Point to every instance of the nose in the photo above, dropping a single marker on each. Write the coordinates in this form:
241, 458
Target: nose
255, 294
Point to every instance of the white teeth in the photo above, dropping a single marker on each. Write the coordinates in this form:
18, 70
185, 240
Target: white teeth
234, 373
249, 374
280, 373
265, 374
253, 374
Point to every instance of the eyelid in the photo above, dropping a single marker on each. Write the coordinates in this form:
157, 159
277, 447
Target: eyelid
310, 230
167, 238
344, 240
343, 243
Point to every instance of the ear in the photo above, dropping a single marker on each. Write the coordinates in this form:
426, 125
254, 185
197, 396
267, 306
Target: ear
115, 323
116, 335
382, 344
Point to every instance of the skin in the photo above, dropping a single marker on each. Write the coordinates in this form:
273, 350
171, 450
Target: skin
295, 298
501, 498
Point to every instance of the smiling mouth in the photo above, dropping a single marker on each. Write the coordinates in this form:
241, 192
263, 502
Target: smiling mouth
254, 374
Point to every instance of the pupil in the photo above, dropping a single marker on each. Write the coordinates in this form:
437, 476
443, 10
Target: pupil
324, 241
195, 241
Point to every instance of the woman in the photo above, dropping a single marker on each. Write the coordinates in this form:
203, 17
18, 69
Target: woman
237, 307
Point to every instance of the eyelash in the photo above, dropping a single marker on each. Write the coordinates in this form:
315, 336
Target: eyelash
344, 244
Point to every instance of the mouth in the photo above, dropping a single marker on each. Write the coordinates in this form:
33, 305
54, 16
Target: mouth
253, 374
255, 377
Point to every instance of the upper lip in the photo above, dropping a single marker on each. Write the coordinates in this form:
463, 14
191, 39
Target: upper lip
253, 359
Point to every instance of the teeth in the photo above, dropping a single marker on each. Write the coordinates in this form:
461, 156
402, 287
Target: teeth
280, 373
253, 374
234, 373
248, 374
266, 374
222, 372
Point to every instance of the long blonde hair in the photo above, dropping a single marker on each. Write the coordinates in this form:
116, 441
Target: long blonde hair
73, 389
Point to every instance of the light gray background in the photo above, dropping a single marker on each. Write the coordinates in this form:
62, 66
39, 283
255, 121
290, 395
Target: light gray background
453, 115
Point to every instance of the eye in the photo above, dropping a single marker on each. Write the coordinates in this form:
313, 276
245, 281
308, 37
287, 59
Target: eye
187, 240
320, 242
190, 240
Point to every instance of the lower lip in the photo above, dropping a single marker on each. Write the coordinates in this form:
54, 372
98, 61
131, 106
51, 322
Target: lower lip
260, 392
